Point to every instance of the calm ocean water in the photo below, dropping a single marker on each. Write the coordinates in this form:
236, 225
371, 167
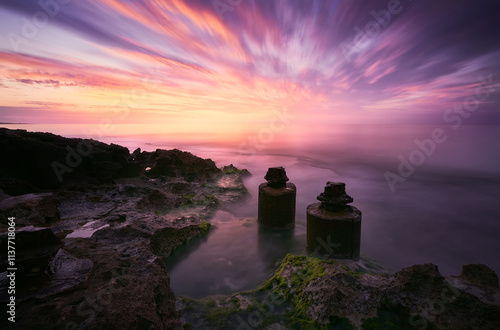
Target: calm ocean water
446, 212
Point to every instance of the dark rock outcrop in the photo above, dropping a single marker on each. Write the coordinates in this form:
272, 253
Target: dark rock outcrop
113, 219
35, 162
481, 276
167, 239
156, 200
127, 287
34, 248
36, 209
231, 169
30, 158
176, 163
311, 293
67, 273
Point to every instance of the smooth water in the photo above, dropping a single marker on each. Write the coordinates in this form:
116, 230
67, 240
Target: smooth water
235, 256
447, 212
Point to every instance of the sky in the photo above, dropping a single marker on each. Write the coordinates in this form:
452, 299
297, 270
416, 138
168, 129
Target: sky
236, 65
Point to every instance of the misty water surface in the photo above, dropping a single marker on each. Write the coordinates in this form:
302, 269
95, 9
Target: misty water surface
447, 212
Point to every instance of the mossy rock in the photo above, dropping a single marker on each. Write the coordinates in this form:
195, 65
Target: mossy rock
165, 240
278, 302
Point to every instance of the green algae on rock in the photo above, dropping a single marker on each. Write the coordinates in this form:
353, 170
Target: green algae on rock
277, 301
310, 293
165, 240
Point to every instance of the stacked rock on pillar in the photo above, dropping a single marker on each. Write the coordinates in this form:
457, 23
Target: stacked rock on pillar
277, 200
333, 227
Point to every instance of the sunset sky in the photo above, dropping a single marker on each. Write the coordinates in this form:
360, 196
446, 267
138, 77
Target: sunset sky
234, 64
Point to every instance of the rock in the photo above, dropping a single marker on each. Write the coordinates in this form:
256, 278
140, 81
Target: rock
130, 191
231, 182
15, 186
480, 275
310, 293
48, 208
35, 247
114, 277
32, 161
117, 218
418, 277
231, 190
128, 287
136, 153
165, 240
106, 169
177, 163
155, 200
30, 209
231, 169
182, 187
32, 238
119, 235
67, 273
245, 172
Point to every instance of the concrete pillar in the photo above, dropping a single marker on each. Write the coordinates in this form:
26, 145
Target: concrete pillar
333, 227
277, 200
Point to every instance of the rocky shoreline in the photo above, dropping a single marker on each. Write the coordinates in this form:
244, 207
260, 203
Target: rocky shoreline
309, 293
90, 249
94, 224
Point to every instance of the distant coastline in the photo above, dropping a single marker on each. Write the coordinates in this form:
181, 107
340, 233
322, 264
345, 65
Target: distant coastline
16, 123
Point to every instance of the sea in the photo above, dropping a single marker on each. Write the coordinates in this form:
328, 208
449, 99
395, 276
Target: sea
428, 194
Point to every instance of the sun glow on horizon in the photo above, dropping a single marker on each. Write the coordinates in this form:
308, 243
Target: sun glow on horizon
185, 65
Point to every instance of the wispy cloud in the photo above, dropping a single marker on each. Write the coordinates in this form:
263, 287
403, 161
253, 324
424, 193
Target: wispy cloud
186, 58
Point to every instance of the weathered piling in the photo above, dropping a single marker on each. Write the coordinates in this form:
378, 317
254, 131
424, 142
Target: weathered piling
333, 227
277, 200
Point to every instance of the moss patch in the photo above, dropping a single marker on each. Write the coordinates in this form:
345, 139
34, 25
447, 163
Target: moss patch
352, 273
211, 201
231, 170
165, 240
292, 276
280, 300
189, 197
204, 227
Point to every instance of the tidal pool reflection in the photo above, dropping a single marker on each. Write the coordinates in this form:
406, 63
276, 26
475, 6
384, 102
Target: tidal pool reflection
234, 256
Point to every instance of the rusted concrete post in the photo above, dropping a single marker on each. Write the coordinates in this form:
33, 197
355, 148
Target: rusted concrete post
333, 227
277, 200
